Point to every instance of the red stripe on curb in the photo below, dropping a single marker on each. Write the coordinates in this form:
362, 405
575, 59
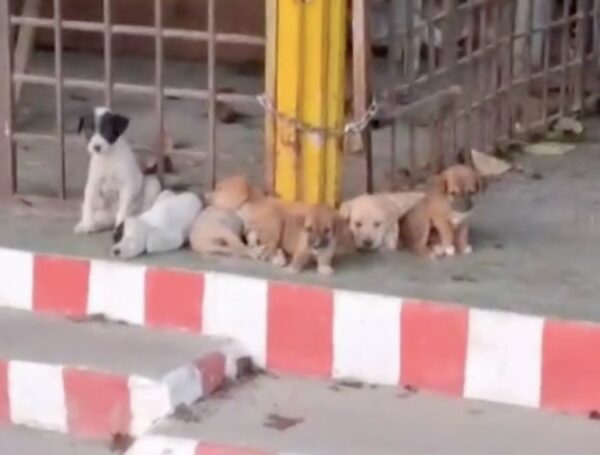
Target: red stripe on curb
212, 371
60, 285
174, 299
4, 395
433, 346
571, 367
300, 330
205, 448
97, 404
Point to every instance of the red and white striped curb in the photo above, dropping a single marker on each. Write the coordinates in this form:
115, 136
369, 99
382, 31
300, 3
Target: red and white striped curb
97, 405
162, 445
304, 330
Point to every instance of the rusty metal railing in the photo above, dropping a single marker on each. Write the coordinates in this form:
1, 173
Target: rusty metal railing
479, 73
9, 137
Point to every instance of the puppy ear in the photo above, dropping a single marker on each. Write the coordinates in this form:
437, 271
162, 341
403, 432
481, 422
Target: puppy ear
439, 183
86, 122
119, 124
118, 233
345, 210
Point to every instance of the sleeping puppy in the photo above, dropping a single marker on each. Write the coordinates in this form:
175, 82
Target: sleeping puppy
438, 225
314, 234
262, 216
374, 218
165, 227
220, 231
115, 187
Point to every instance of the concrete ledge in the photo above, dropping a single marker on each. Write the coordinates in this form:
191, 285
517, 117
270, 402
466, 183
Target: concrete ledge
311, 331
97, 381
159, 445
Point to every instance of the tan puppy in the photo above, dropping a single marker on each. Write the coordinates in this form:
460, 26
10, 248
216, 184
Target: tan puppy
233, 192
314, 233
262, 215
219, 231
374, 218
438, 225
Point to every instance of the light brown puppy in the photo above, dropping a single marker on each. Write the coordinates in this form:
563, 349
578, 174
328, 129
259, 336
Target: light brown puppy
314, 233
438, 225
231, 193
374, 218
219, 231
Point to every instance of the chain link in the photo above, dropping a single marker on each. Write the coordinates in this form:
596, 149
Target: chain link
354, 127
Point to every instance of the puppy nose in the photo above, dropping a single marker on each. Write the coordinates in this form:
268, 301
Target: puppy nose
97, 148
117, 252
368, 243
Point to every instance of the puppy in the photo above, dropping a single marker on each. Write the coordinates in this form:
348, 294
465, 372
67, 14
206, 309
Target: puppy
262, 215
314, 233
165, 227
374, 218
115, 187
220, 231
438, 224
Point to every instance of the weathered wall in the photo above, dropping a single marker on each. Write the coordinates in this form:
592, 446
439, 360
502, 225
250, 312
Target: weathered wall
237, 16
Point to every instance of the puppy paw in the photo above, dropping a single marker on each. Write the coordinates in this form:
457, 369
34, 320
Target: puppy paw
437, 251
450, 251
468, 249
279, 259
84, 228
325, 270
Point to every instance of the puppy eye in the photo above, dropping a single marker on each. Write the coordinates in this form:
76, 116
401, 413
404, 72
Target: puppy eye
377, 224
358, 224
308, 228
327, 231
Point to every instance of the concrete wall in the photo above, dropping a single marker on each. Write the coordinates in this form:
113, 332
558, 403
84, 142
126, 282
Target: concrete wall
237, 16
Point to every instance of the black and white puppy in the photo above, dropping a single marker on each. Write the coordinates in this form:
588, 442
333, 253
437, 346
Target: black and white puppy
116, 187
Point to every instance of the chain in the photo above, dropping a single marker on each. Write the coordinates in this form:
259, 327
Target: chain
354, 127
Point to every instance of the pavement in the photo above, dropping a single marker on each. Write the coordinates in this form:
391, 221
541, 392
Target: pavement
535, 236
97, 344
283, 415
25, 441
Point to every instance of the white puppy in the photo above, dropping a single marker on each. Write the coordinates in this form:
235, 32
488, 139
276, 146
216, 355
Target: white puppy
115, 187
165, 227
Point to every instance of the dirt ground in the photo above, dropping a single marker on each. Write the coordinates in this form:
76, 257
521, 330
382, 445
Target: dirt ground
535, 232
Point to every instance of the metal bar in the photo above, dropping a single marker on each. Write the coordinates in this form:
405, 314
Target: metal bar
392, 74
495, 68
159, 58
108, 54
483, 79
212, 103
510, 84
582, 34
413, 63
141, 30
8, 175
135, 89
58, 68
25, 41
564, 58
545, 74
470, 73
270, 90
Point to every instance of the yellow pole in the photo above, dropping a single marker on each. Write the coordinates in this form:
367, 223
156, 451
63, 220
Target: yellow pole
308, 87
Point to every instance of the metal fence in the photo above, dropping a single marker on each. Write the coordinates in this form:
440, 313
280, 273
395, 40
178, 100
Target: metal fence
15, 77
479, 73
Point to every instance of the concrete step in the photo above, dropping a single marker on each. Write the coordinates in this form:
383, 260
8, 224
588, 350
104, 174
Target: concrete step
270, 416
26, 441
96, 379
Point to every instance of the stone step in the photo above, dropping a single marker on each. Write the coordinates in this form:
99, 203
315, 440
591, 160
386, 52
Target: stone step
26, 441
95, 379
269, 415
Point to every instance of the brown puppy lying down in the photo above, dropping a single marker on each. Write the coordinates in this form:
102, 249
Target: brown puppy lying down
219, 231
438, 224
374, 218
